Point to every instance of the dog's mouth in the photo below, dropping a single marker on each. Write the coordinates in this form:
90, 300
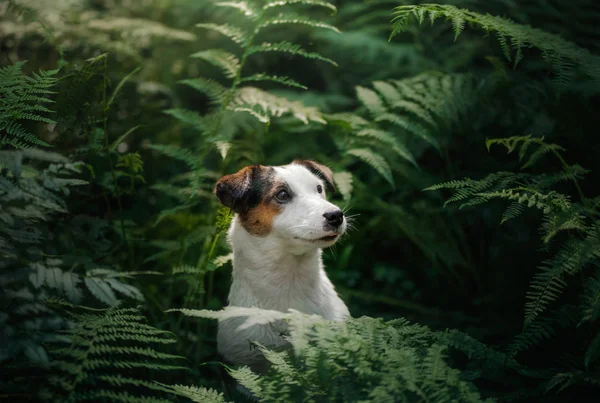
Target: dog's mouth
328, 238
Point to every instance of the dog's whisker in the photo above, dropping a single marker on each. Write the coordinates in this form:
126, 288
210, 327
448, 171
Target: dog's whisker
298, 226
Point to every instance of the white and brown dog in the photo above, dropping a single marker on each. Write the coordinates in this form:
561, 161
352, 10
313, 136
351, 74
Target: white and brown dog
282, 221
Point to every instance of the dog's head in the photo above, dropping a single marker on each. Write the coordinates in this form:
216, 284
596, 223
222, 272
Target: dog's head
287, 202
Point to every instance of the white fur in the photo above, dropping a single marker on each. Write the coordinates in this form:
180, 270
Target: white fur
281, 270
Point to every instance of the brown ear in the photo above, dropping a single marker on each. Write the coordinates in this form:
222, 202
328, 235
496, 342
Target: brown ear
321, 171
233, 190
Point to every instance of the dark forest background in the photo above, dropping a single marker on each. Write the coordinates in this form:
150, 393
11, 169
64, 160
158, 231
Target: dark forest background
463, 140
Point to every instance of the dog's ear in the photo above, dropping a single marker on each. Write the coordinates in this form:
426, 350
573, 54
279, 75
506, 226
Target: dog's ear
234, 190
321, 171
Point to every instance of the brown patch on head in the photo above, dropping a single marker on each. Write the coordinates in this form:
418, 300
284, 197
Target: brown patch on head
322, 171
249, 192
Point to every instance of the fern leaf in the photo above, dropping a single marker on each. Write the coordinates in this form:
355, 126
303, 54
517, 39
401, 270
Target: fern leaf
371, 101
234, 33
122, 397
188, 117
458, 25
181, 154
287, 47
264, 105
243, 6
411, 127
276, 79
319, 3
226, 61
374, 160
215, 91
564, 56
389, 140
591, 300
543, 328
548, 284
514, 210
295, 20
195, 394
343, 182
255, 316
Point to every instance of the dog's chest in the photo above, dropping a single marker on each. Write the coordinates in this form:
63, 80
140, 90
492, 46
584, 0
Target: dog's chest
298, 285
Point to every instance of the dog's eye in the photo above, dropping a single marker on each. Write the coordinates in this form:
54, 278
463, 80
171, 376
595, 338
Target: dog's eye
282, 196
319, 189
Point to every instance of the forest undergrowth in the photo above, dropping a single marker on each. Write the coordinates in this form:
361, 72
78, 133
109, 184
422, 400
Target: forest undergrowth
462, 140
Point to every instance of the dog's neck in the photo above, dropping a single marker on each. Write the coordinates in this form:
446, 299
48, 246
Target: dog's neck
267, 272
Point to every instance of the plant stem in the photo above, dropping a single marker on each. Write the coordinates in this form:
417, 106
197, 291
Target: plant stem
110, 164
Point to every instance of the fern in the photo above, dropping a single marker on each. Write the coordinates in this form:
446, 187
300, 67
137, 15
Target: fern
91, 363
362, 359
30, 276
259, 104
287, 47
374, 160
421, 108
69, 24
23, 98
579, 251
195, 394
564, 56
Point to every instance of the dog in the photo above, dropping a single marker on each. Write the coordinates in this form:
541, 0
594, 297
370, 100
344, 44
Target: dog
282, 221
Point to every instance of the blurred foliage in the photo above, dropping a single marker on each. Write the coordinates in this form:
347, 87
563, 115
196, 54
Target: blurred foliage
118, 116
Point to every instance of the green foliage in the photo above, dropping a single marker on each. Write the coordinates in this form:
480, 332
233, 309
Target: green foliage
23, 98
578, 253
564, 56
362, 359
107, 355
258, 103
123, 212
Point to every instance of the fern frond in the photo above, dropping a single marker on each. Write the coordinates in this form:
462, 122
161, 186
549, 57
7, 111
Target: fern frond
188, 117
215, 91
244, 7
90, 367
389, 140
564, 56
195, 394
287, 47
23, 98
264, 105
591, 300
343, 182
276, 79
543, 328
295, 20
376, 161
234, 33
181, 154
410, 126
319, 3
372, 360
548, 283
226, 61
514, 210
371, 101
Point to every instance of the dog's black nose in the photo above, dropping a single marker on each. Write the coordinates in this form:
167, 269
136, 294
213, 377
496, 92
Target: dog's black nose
334, 218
